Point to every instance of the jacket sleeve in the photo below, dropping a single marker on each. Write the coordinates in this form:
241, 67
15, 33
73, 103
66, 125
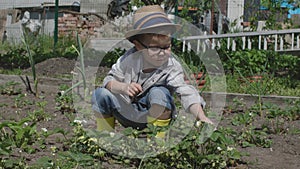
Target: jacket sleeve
188, 94
117, 72
119, 69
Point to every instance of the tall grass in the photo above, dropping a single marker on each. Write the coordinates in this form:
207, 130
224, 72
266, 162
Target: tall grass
81, 68
32, 65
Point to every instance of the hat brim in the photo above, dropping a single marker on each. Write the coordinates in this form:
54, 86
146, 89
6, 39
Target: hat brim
164, 28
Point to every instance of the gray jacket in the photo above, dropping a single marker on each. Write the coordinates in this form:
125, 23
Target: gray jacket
170, 75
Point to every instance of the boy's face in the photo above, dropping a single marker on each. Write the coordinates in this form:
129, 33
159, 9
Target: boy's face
156, 48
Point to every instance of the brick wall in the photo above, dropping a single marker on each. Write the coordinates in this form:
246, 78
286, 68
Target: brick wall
69, 24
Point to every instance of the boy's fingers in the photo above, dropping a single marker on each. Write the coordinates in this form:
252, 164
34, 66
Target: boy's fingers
134, 89
137, 86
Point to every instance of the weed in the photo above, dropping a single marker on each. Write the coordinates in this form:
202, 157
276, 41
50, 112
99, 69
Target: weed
21, 101
32, 64
64, 101
10, 88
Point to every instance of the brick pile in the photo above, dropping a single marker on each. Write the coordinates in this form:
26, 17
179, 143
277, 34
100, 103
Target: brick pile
69, 24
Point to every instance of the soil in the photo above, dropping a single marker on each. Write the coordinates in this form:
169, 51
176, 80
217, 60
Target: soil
284, 152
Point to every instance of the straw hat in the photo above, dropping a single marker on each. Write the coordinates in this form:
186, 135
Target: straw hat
151, 19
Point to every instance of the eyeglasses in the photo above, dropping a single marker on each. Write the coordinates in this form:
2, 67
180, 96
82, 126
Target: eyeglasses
154, 50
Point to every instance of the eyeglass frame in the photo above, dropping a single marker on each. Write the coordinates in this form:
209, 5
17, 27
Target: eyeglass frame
158, 47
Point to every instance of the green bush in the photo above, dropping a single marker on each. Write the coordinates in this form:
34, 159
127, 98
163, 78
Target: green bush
257, 62
15, 55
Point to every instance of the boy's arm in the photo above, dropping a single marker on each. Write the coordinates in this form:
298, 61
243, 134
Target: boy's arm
117, 87
197, 111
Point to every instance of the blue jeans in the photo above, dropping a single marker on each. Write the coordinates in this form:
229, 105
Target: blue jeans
131, 114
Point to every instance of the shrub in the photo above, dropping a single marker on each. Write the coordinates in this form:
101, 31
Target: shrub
15, 55
253, 62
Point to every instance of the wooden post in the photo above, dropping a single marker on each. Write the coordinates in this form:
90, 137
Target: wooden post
212, 15
56, 23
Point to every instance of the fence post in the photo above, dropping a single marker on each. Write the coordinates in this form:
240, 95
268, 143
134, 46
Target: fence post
275, 43
293, 37
298, 44
244, 42
265, 43
281, 43
56, 23
259, 42
249, 43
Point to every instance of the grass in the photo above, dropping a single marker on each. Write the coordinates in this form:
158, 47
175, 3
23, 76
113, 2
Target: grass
268, 85
281, 86
11, 72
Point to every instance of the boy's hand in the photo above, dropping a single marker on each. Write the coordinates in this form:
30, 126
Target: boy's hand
206, 120
198, 112
133, 89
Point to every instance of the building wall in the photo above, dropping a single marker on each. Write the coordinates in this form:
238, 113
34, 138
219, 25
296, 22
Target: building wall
8, 17
6, 4
296, 20
251, 9
84, 21
235, 12
97, 6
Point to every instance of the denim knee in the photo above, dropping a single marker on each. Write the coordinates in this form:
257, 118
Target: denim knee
103, 101
161, 96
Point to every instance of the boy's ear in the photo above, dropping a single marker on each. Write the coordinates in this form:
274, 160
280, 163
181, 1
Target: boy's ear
137, 45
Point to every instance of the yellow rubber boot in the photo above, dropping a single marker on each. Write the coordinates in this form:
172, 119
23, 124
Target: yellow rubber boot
107, 124
160, 123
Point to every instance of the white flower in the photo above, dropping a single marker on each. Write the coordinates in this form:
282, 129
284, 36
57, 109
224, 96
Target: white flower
112, 134
26, 124
44, 129
198, 123
229, 148
93, 139
74, 73
219, 148
78, 121
134, 8
53, 149
223, 164
148, 139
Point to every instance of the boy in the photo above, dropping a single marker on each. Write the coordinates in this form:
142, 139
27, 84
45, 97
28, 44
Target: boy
140, 85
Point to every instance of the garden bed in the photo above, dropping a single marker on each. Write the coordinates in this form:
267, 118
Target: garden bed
17, 104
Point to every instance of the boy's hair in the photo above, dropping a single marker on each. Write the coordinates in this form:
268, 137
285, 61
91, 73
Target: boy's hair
146, 35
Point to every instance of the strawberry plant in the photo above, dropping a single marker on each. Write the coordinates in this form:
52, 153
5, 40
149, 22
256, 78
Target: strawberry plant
10, 88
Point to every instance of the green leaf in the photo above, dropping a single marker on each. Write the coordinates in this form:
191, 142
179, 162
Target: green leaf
215, 135
77, 156
44, 162
247, 144
204, 161
4, 150
128, 131
236, 155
